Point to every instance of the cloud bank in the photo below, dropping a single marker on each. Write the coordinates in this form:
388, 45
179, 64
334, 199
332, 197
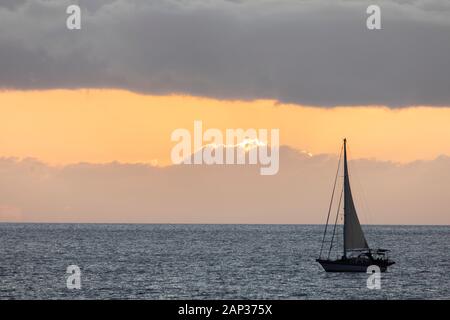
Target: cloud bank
385, 193
307, 52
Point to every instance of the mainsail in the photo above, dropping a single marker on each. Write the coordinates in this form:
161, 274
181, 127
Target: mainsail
353, 234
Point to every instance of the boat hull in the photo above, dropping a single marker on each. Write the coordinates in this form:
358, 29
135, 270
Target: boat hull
351, 266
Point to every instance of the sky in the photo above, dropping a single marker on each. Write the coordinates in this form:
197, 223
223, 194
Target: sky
86, 115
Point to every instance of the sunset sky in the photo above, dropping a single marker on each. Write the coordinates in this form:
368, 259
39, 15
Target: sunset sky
69, 126
86, 115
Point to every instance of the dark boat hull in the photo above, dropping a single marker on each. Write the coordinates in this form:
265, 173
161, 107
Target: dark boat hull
349, 265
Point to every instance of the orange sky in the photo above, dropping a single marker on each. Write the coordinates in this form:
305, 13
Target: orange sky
61, 127
66, 126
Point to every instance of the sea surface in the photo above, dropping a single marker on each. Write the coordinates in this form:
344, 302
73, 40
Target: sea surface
212, 262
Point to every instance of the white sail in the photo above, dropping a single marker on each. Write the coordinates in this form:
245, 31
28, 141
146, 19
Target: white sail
353, 234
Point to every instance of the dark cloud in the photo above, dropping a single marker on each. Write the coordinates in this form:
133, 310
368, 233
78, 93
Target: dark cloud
306, 52
11, 4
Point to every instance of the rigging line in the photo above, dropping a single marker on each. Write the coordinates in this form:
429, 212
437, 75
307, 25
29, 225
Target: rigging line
331, 201
338, 233
335, 222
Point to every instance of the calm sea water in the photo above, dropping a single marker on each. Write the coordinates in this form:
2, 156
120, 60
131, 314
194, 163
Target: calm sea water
211, 262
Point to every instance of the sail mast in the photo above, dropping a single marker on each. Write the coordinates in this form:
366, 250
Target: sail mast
345, 192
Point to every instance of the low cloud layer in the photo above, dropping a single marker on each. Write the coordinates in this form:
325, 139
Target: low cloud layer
307, 52
385, 193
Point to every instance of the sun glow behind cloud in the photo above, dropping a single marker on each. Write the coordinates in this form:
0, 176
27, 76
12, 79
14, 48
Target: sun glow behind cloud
69, 126
246, 145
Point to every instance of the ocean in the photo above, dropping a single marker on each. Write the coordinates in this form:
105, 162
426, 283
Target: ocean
151, 261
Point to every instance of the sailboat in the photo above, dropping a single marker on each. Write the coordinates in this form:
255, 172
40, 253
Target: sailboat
357, 255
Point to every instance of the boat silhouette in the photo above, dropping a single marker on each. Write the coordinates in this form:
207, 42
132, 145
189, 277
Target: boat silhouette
357, 255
